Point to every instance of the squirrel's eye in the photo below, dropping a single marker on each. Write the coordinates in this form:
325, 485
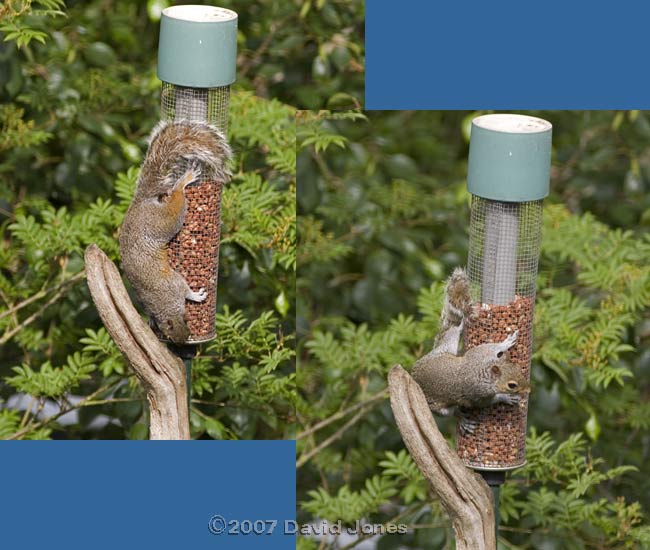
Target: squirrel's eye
500, 354
512, 385
163, 197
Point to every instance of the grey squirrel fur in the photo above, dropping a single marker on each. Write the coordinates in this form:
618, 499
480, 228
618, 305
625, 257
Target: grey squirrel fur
156, 215
483, 376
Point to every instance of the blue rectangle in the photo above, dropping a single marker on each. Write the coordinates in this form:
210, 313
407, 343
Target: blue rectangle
474, 54
150, 494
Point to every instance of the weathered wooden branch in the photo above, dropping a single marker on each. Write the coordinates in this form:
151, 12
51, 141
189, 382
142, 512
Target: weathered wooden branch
463, 493
161, 373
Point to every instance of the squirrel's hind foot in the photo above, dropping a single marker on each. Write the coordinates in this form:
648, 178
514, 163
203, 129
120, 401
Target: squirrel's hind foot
466, 425
199, 296
512, 339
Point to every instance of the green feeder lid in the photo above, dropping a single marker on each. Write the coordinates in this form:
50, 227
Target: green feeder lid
198, 46
509, 157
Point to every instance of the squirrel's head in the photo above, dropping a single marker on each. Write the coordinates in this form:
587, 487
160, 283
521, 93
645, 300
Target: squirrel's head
508, 377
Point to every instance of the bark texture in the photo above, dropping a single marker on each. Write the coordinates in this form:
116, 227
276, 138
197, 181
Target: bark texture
161, 373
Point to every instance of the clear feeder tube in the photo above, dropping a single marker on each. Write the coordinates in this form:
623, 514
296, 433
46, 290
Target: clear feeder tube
508, 177
196, 65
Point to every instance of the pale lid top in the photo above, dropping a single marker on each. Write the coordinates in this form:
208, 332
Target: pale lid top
514, 124
199, 14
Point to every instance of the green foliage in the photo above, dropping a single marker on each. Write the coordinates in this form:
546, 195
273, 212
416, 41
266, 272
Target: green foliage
10, 424
401, 468
49, 381
269, 219
350, 505
19, 20
16, 132
314, 129
560, 483
323, 42
103, 351
614, 265
255, 385
399, 475
385, 215
76, 112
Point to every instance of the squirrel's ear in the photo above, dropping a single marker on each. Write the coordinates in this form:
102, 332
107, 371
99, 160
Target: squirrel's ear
163, 197
496, 370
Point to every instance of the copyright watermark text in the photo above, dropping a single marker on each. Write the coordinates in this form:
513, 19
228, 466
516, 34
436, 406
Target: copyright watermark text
219, 525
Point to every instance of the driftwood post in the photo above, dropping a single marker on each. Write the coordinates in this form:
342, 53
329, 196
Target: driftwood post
463, 493
161, 373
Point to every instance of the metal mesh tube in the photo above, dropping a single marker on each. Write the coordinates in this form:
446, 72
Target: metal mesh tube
502, 267
196, 104
194, 251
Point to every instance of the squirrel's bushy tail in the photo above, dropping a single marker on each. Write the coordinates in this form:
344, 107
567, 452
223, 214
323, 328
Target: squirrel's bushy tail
458, 291
172, 142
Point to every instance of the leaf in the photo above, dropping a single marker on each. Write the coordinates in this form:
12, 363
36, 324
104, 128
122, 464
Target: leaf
282, 304
592, 427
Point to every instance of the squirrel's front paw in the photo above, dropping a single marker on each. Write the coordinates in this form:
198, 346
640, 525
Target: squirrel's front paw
193, 172
508, 398
199, 296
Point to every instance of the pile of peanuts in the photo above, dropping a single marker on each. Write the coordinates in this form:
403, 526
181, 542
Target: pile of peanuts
194, 253
499, 441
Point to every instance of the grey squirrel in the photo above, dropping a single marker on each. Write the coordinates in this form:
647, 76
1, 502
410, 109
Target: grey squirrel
156, 215
483, 376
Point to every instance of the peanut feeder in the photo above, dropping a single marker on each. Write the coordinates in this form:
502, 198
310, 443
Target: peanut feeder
196, 64
508, 178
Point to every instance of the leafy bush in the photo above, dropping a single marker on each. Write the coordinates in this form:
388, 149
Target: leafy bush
383, 217
307, 53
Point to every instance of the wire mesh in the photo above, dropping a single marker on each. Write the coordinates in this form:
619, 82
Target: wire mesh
503, 249
194, 251
502, 267
196, 104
